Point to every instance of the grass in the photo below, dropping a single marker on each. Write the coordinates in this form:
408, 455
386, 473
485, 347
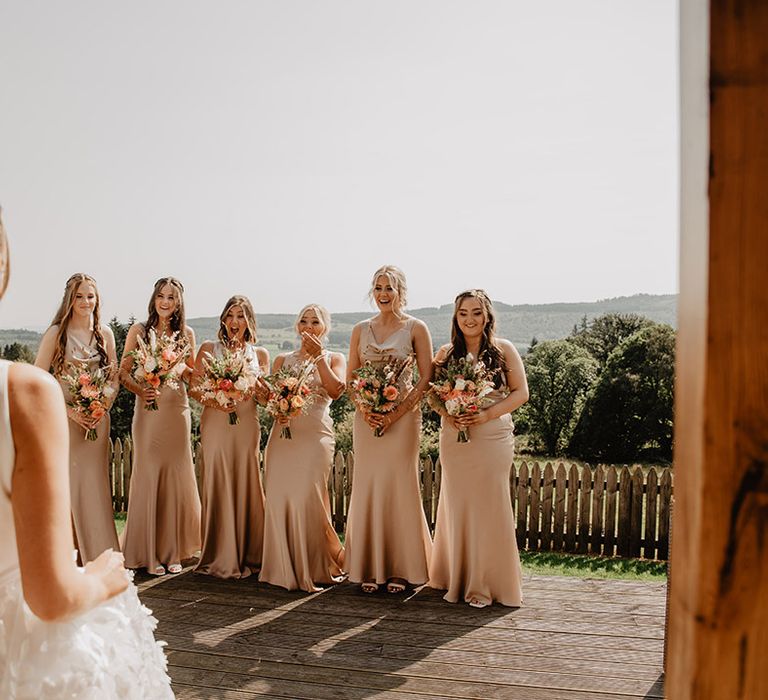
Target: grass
585, 566
120, 522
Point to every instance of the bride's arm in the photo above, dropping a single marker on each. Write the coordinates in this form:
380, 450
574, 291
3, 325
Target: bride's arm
53, 587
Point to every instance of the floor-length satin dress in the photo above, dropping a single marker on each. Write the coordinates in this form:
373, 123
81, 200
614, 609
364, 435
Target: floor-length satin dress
230, 488
475, 555
89, 487
387, 532
301, 547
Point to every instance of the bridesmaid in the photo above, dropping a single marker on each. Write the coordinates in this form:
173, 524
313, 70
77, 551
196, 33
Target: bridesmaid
163, 523
475, 555
387, 535
76, 335
232, 499
301, 547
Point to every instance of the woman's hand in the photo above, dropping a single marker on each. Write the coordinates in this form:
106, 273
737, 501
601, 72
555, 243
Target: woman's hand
383, 421
108, 567
261, 391
149, 394
311, 345
469, 419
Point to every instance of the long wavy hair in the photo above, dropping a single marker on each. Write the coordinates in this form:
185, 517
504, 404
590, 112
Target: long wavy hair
396, 278
489, 354
250, 319
178, 317
5, 259
63, 316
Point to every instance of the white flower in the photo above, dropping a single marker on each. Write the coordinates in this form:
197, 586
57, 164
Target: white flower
459, 384
243, 383
150, 364
453, 407
221, 398
179, 369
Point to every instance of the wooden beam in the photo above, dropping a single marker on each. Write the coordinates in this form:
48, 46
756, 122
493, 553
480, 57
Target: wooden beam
718, 634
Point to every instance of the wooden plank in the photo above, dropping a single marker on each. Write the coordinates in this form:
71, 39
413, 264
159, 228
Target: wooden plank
349, 469
522, 504
624, 512
559, 524
573, 509
534, 507
611, 489
651, 514
127, 471
665, 511
585, 502
598, 500
547, 502
636, 512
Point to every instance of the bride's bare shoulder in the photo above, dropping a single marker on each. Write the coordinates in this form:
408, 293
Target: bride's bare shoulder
32, 392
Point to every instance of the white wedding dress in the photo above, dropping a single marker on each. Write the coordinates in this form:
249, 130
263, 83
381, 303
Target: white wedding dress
106, 653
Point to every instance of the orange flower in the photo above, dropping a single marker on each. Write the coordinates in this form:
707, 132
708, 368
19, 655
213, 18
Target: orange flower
297, 402
391, 393
225, 384
84, 379
169, 356
152, 379
97, 410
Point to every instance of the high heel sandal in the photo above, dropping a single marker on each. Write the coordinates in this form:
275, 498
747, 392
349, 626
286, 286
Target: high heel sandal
369, 586
174, 568
396, 585
159, 570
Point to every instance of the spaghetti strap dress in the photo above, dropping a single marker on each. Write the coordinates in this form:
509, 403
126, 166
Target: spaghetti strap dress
89, 485
387, 532
301, 547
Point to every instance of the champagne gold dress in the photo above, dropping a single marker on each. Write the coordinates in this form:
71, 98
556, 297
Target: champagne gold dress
163, 523
475, 556
387, 533
90, 490
301, 547
230, 488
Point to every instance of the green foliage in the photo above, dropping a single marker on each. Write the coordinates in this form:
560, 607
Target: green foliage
18, 352
601, 337
559, 376
629, 412
343, 429
121, 414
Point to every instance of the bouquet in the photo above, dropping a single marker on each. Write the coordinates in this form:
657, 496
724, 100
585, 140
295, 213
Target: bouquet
227, 380
461, 387
159, 361
375, 386
289, 393
90, 392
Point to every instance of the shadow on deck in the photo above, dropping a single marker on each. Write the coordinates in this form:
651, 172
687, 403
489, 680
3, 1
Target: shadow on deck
574, 639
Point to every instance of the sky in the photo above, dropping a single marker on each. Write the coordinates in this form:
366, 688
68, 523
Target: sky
285, 149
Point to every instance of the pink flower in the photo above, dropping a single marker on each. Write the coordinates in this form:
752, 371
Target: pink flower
84, 379
169, 355
225, 384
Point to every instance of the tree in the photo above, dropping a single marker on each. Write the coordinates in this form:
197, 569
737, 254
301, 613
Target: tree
560, 374
628, 415
121, 414
18, 352
606, 332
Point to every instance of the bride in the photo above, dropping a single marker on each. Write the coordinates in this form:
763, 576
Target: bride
65, 632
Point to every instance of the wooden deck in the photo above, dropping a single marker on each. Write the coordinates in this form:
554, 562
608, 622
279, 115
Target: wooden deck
574, 639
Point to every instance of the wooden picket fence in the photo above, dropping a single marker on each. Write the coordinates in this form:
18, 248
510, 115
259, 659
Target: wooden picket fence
613, 511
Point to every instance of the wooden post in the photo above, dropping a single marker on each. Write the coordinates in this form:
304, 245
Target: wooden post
718, 645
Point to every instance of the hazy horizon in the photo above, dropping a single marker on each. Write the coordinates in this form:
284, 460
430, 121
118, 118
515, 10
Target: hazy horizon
286, 150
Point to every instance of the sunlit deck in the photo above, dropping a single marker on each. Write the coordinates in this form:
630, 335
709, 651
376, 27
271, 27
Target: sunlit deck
574, 639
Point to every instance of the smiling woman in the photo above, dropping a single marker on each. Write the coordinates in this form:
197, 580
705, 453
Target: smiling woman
80, 352
387, 545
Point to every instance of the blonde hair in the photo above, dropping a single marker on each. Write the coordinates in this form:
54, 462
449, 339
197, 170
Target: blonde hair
63, 316
5, 259
250, 319
322, 314
396, 277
